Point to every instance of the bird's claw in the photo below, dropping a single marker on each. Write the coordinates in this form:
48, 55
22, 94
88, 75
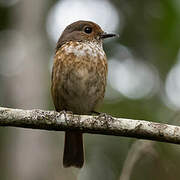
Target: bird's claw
105, 118
64, 114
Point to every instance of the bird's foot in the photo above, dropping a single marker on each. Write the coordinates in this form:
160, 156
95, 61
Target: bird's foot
102, 115
95, 113
105, 116
64, 114
105, 119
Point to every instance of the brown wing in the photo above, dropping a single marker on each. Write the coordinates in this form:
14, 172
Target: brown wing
54, 81
61, 67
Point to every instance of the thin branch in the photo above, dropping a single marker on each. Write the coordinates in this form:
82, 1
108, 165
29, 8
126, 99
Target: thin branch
138, 151
107, 125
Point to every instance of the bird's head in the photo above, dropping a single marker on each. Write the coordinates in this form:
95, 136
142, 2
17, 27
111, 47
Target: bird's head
83, 31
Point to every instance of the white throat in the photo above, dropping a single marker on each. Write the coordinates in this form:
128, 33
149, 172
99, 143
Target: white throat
91, 49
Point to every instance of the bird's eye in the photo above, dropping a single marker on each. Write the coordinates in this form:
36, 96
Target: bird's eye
88, 30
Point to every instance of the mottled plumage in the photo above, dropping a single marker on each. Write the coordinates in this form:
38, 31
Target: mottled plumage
79, 79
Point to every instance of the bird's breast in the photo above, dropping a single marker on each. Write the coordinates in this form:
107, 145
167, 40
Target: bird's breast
84, 61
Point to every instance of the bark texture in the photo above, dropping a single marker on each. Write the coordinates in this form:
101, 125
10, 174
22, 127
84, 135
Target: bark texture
102, 124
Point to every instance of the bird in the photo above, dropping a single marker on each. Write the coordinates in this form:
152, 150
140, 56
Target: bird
78, 79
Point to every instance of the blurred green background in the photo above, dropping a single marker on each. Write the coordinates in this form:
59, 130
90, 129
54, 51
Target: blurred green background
143, 83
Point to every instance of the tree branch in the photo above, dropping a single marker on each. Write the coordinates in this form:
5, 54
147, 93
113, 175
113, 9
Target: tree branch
107, 125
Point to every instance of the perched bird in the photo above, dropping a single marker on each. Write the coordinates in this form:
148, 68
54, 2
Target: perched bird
79, 79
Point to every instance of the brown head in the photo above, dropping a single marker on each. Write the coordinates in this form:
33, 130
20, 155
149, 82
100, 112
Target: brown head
82, 31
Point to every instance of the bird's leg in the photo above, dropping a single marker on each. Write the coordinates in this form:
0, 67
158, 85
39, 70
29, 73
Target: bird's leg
95, 112
106, 119
64, 114
103, 116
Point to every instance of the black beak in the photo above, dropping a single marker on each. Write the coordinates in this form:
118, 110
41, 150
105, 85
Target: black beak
106, 35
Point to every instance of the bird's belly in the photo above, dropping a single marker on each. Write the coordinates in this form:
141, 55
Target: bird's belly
82, 90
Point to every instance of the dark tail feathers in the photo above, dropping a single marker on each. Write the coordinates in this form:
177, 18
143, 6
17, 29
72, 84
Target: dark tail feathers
73, 149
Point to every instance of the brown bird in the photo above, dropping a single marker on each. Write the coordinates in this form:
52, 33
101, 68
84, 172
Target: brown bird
79, 79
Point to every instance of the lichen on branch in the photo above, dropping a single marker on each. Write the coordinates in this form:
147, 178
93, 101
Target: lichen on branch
102, 124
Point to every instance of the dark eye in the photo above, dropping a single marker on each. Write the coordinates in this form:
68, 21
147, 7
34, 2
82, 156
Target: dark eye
88, 30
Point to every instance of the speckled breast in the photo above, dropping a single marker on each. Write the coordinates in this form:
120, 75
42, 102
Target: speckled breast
79, 77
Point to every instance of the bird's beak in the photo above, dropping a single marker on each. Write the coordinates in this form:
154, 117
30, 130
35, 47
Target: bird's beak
106, 35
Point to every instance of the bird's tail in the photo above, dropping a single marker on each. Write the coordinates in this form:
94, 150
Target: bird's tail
73, 149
